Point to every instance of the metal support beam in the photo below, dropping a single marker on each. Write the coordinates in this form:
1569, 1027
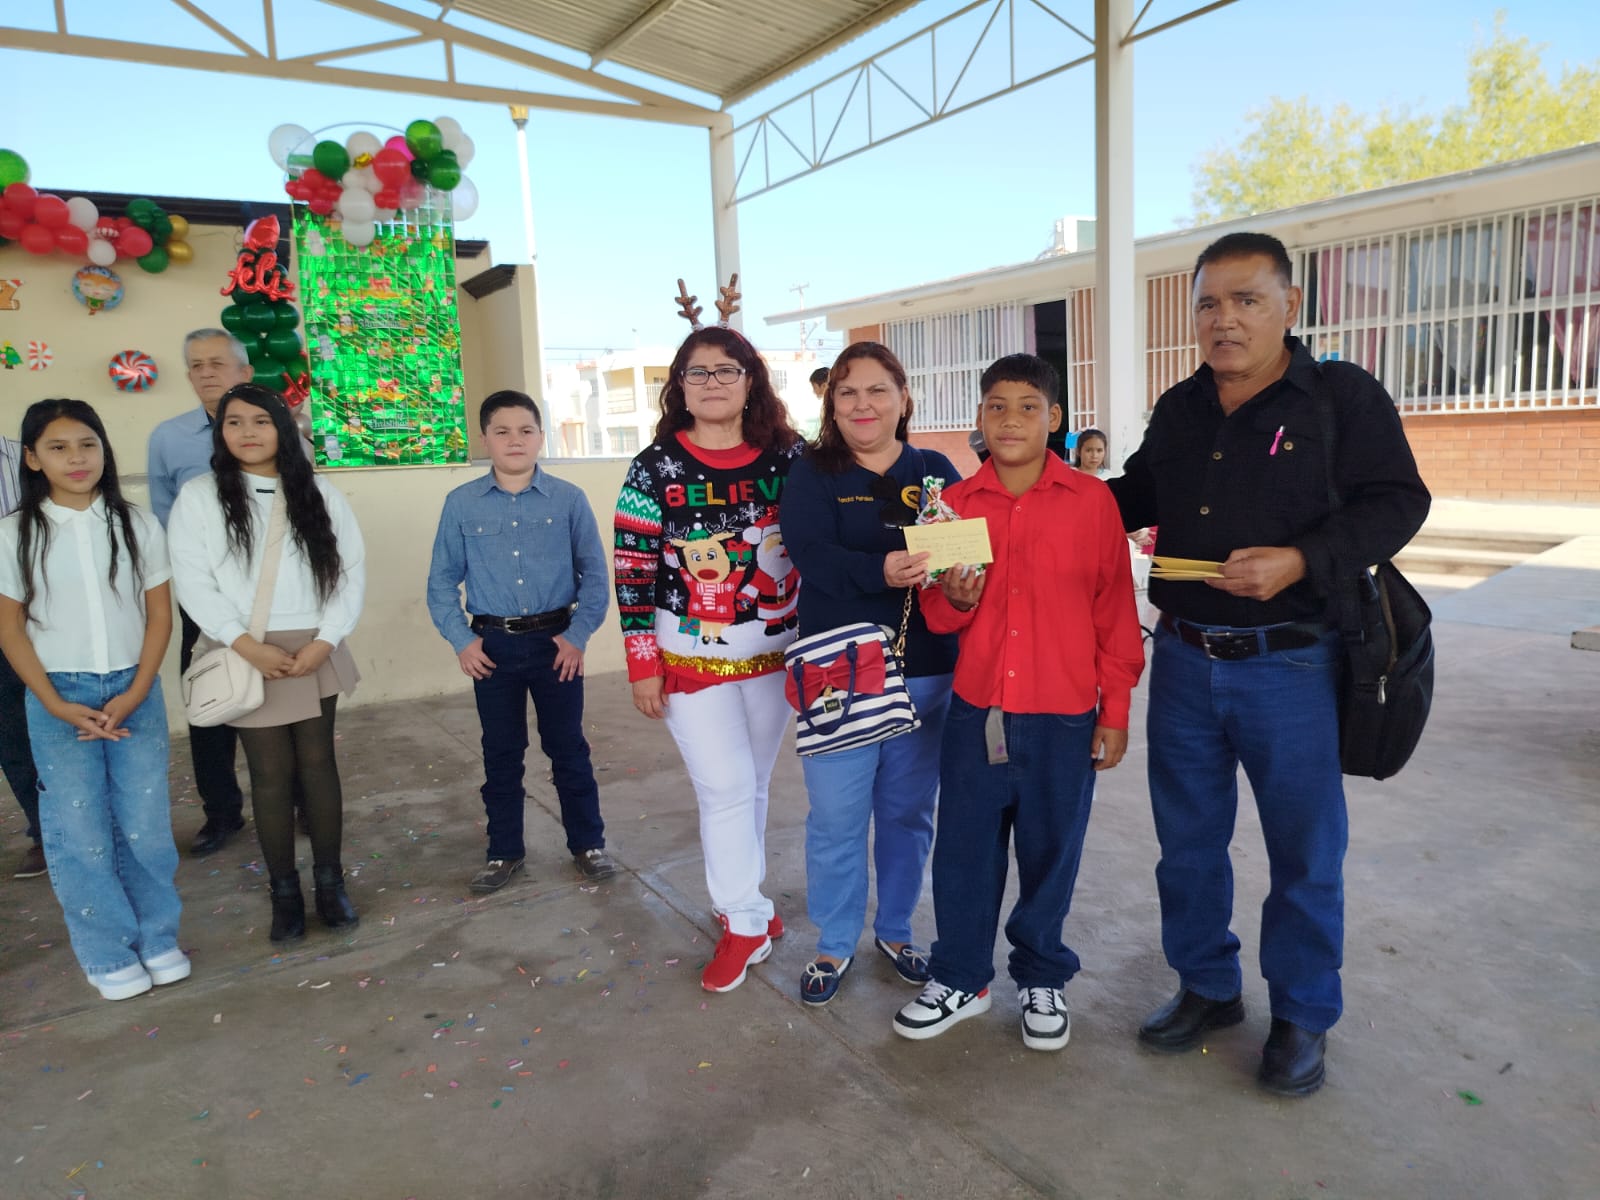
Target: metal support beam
724, 210
632, 30
1119, 358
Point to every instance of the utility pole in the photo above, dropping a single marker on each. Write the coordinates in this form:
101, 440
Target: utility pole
805, 327
533, 364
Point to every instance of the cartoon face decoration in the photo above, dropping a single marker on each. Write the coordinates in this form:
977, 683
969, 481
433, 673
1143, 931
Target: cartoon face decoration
97, 288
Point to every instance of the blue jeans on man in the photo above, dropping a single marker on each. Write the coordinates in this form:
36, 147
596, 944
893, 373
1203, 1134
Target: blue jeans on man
524, 667
107, 827
1277, 716
893, 787
1040, 798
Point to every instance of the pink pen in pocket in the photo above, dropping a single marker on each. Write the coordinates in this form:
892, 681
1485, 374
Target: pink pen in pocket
1276, 438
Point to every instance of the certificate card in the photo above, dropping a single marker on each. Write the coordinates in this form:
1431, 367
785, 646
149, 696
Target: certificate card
951, 542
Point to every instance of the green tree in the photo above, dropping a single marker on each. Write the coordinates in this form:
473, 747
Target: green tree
1294, 152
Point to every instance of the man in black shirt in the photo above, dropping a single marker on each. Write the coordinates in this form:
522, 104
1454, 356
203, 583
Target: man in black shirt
1234, 468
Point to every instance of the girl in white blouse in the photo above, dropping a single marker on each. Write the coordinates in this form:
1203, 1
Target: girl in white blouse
218, 534
85, 616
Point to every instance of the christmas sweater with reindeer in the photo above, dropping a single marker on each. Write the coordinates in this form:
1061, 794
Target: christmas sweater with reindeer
705, 587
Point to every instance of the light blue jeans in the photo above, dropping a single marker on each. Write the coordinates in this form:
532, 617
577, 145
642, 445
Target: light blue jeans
894, 786
107, 828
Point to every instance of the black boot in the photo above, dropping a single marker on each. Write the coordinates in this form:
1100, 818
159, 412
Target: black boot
288, 908
333, 906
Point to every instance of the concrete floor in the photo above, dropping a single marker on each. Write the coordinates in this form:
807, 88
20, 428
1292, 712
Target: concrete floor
552, 1040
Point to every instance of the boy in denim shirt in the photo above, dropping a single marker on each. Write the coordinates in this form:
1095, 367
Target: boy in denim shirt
528, 550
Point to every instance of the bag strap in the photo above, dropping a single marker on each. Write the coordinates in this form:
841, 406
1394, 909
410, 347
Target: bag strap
899, 643
277, 524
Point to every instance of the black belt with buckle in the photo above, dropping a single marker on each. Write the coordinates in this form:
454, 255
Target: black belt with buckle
1231, 645
554, 621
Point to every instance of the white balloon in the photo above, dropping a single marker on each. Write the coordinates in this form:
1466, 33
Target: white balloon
101, 252
360, 143
360, 233
383, 215
449, 128
355, 203
284, 141
464, 149
362, 178
82, 212
463, 199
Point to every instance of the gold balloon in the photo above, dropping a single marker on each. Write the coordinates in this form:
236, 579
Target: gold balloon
180, 252
180, 227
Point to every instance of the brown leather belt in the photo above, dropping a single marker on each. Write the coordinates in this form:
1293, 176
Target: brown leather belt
1231, 645
553, 621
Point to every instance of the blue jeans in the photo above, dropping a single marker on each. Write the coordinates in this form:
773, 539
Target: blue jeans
107, 829
16, 755
893, 786
1043, 795
1277, 715
525, 666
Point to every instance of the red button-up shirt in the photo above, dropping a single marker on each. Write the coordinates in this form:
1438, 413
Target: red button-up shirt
1056, 630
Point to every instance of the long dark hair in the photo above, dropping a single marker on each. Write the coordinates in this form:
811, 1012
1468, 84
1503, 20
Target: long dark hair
1086, 435
766, 419
33, 533
308, 515
829, 452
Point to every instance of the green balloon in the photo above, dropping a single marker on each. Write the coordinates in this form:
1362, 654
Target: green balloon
288, 315
283, 344
233, 320
140, 210
259, 317
13, 168
155, 262
243, 298
256, 345
443, 175
331, 159
161, 228
269, 375
424, 139
419, 169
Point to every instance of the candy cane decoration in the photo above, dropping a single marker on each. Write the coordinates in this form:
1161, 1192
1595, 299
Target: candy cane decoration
39, 356
132, 371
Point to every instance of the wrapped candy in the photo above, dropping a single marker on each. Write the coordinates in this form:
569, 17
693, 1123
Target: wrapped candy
932, 510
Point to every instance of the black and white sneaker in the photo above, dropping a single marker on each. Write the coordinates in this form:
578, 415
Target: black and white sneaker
1046, 1024
938, 1008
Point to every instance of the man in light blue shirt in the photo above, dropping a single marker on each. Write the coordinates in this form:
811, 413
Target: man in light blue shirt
529, 552
180, 449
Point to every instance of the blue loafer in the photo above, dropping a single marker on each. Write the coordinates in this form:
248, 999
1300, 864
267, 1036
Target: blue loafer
819, 982
910, 962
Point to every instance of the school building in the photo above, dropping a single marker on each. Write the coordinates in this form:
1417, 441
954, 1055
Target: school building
1474, 297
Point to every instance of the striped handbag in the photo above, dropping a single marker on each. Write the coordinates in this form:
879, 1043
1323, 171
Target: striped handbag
847, 686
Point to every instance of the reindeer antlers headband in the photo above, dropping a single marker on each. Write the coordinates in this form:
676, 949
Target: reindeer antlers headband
727, 304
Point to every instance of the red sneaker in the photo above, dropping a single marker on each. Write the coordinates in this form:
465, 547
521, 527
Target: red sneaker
775, 927
735, 955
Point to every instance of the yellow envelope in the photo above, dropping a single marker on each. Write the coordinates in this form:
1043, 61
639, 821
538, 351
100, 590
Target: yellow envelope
1187, 564
951, 542
1156, 573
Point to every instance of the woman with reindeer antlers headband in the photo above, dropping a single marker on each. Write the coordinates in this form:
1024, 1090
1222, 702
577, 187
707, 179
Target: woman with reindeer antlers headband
707, 596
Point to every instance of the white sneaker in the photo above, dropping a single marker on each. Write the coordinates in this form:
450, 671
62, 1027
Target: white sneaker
169, 967
938, 1008
124, 984
1046, 1024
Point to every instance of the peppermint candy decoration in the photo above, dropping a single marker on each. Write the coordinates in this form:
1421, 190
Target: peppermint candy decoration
132, 371
39, 356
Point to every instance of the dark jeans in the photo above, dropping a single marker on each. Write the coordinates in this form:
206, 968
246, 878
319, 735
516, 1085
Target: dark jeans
524, 667
1040, 799
212, 750
16, 754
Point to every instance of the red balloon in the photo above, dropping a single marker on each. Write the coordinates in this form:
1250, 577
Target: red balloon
36, 239
321, 205
10, 224
72, 239
51, 212
388, 198
314, 177
107, 226
20, 199
391, 167
134, 242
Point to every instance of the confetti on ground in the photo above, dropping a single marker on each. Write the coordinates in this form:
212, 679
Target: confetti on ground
562, 1065
317, 987
702, 1065
155, 1030
201, 1115
252, 1114
1471, 1099
72, 1173
361, 1078
90, 1092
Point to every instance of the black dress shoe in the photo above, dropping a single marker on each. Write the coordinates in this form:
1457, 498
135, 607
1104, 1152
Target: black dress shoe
1291, 1061
1181, 1023
214, 835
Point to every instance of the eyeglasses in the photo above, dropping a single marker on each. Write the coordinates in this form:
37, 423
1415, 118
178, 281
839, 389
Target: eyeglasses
895, 513
699, 376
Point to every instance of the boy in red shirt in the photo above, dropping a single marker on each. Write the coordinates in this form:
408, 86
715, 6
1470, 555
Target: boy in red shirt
1050, 651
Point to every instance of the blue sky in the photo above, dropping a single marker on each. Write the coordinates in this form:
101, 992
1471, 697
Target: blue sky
622, 208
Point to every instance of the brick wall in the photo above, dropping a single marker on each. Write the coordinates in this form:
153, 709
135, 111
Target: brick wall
865, 333
1535, 456
952, 445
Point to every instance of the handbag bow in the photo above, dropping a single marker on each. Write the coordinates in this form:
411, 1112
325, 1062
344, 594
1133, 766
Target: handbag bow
870, 676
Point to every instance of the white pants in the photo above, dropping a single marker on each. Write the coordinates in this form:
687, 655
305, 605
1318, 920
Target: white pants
729, 736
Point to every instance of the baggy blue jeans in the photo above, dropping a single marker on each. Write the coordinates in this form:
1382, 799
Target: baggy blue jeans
1277, 716
103, 810
893, 786
1043, 796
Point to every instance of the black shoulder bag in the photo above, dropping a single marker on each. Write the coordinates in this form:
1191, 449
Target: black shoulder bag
1386, 680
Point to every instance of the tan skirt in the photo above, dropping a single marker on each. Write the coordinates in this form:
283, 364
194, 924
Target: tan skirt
291, 700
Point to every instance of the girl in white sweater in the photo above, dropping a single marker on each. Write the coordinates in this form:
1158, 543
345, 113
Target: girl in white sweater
218, 536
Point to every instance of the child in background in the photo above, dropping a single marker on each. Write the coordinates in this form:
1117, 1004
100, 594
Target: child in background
85, 615
1050, 651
